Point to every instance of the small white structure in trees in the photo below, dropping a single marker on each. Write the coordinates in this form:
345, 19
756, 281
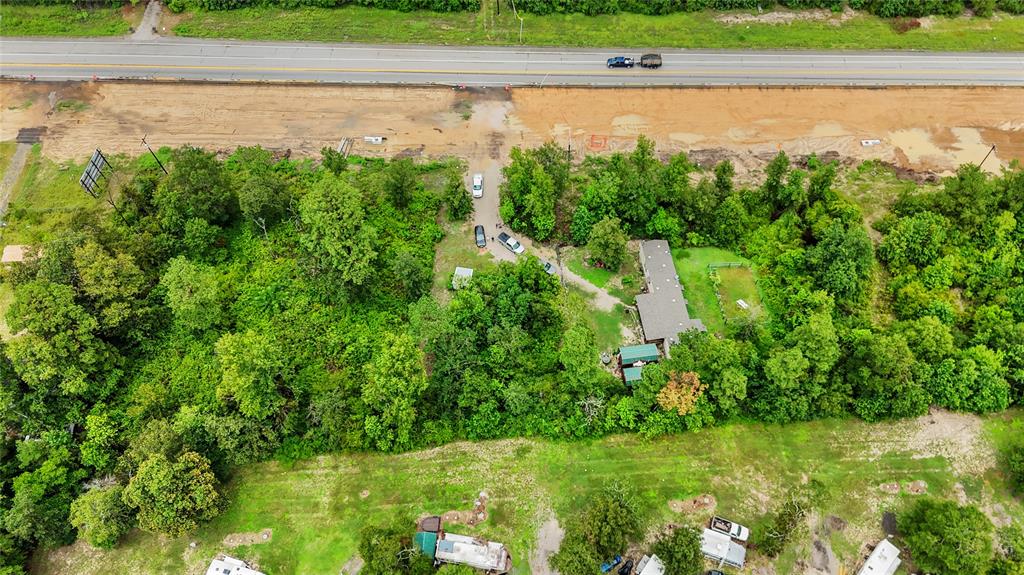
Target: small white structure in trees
650, 566
884, 560
462, 277
14, 253
224, 565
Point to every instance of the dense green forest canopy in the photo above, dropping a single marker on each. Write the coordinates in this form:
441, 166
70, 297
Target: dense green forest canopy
250, 308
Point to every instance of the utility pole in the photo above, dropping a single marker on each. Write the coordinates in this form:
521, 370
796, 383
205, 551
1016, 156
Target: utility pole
158, 162
992, 149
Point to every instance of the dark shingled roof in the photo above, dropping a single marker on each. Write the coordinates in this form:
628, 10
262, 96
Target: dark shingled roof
663, 308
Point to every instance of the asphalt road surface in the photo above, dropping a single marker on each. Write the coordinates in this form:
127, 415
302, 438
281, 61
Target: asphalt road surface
216, 60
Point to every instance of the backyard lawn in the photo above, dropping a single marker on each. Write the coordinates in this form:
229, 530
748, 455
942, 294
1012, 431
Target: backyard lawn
737, 284
678, 30
624, 284
457, 249
699, 289
317, 507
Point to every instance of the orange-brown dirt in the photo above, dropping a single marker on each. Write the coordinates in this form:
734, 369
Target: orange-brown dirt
922, 129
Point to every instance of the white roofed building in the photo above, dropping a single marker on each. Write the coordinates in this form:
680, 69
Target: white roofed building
474, 552
224, 565
650, 565
884, 560
721, 549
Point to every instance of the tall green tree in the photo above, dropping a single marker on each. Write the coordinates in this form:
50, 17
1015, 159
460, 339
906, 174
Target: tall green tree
947, 539
389, 550
113, 287
335, 232
101, 517
395, 380
401, 182
1013, 462
193, 292
607, 243
880, 372
196, 187
173, 497
264, 199
596, 204
99, 450
457, 198
680, 551
540, 205
609, 521
252, 365
40, 500
60, 350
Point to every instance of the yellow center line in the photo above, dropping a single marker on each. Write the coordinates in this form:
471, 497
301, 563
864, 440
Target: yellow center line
753, 72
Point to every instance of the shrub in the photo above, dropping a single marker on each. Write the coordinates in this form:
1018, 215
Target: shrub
1013, 462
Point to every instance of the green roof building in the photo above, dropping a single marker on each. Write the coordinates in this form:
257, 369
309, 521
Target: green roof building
426, 542
631, 354
632, 375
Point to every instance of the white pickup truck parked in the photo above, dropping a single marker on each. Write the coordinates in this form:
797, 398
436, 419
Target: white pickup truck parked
734, 530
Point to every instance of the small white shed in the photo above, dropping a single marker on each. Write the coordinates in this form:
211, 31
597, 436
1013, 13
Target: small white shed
650, 566
224, 565
462, 277
884, 560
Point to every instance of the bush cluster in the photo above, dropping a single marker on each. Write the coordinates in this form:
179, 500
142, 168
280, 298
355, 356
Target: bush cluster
884, 8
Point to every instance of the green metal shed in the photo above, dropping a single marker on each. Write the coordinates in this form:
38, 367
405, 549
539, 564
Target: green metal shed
631, 354
426, 542
632, 375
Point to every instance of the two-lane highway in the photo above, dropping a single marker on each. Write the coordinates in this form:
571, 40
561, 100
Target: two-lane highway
215, 60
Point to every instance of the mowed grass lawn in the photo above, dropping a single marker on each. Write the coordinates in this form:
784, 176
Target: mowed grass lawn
61, 20
457, 249
699, 290
739, 284
681, 30
317, 507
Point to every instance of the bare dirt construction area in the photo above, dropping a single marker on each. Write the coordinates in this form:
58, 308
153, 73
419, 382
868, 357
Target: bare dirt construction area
920, 129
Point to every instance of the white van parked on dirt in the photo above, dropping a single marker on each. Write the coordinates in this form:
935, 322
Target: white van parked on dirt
478, 185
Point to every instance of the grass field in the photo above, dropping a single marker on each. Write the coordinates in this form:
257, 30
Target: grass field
682, 30
624, 284
45, 199
458, 248
317, 507
608, 327
699, 290
738, 284
62, 20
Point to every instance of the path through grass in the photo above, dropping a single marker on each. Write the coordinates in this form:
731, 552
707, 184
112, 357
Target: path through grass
317, 507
